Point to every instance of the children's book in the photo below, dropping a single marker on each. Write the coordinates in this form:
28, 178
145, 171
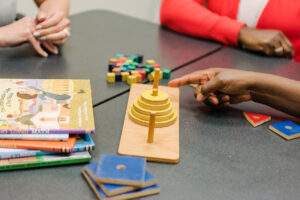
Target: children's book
44, 161
84, 142
57, 137
46, 106
57, 146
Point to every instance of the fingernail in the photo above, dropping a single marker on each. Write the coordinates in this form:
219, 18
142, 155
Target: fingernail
39, 27
55, 50
36, 34
199, 97
45, 55
42, 17
43, 38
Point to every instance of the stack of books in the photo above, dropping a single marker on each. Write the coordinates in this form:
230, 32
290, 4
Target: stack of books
45, 122
120, 177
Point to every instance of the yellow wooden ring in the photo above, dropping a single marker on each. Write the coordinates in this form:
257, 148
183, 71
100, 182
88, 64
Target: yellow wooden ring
161, 98
154, 107
157, 124
158, 118
146, 111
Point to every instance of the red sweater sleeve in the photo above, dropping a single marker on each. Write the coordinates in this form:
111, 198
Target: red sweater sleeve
192, 18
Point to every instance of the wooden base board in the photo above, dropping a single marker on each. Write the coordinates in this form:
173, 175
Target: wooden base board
165, 147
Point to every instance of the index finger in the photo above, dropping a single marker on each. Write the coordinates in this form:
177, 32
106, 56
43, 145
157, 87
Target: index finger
188, 79
51, 21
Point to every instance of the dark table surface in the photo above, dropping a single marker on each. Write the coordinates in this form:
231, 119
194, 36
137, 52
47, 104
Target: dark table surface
222, 156
96, 37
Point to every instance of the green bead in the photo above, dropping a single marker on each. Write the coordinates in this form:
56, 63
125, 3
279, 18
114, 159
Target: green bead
131, 67
147, 70
122, 69
166, 73
126, 64
135, 59
150, 67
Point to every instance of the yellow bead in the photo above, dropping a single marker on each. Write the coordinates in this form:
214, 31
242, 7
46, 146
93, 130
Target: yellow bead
111, 78
134, 72
129, 61
131, 79
150, 62
151, 76
124, 76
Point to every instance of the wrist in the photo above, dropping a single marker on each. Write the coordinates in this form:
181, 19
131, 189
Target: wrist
2, 38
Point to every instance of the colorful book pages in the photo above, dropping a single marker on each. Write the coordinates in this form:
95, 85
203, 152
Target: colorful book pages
256, 119
84, 142
46, 106
287, 129
44, 161
56, 137
124, 170
154, 189
57, 146
114, 189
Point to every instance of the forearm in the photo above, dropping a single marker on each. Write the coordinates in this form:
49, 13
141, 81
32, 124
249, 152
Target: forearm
192, 18
277, 92
49, 6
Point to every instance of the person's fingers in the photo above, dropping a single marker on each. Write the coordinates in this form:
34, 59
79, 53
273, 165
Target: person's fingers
194, 78
65, 23
37, 46
51, 21
235, 99
268, 49
211, 86
278, 48
50, 47
56, 36
60, 41
287, 47
40, 17
197, 91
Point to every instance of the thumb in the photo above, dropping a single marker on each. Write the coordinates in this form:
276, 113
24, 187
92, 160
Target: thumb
41, 16
211, 87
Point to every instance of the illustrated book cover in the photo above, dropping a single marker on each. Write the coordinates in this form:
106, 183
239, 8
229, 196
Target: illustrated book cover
46, 106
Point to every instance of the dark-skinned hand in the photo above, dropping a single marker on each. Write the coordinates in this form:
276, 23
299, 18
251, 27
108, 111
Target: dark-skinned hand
218, 87
269, 42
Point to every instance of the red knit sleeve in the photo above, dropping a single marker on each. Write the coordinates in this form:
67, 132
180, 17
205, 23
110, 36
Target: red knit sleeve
192, 18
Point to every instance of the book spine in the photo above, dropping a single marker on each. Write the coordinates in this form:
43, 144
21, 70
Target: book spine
83, 148
46, 131
54, 149
52, 137
25, 154
43, 164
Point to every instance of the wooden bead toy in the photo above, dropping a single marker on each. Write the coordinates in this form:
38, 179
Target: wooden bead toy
111, 77
143, 73
116, 69
138, 77
155, 65
131, 79
113, 60
150, 62
166, 73
118, 76
124, 76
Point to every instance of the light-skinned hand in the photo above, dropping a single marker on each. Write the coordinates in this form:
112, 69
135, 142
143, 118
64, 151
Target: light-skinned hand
20, 32
52, 27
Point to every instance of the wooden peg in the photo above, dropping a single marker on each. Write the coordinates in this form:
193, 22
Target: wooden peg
151, 127
155, 82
